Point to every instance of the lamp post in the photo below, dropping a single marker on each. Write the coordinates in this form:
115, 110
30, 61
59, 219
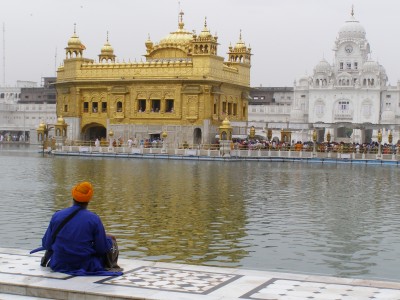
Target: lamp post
252, 133
379, 143
111, 134
314, 138
328, 139
269, 135
164, 142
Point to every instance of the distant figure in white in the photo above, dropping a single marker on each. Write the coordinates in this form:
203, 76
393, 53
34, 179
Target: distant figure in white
97, 143
130, 142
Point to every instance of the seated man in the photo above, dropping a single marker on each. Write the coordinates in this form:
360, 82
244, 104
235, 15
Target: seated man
81, 246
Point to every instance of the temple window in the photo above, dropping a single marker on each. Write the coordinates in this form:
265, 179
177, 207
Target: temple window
215, 108
119, 106
103, 107
141, 105
224, 107
348, 66
234, 109
341, 66
66, 108
85, 107
155, 105
95, 107
2, 95
343, 105
356, 65
230, 109
169, 105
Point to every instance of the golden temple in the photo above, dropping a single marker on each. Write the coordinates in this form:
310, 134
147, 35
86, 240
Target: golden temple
183, 89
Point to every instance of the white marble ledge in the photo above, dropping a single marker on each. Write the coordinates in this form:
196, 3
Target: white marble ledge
21, 275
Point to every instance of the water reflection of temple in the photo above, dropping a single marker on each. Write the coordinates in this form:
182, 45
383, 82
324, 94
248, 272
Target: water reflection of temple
183, 88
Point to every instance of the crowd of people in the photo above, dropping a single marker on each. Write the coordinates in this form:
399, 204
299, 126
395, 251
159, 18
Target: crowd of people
12, 138
372, 147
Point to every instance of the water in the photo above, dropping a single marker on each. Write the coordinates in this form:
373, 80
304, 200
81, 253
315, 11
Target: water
340, 220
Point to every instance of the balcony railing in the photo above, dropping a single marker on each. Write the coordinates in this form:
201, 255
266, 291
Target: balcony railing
343, 114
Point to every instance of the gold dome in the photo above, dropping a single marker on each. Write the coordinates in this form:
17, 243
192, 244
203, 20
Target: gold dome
107, 49
74, 41
179, 37
60, 121
240, 44
226, 122
42, 126
205, 33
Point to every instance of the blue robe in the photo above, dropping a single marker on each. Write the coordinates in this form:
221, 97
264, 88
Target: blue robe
81, 244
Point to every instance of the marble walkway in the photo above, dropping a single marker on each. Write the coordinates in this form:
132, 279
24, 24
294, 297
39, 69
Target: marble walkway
21, 277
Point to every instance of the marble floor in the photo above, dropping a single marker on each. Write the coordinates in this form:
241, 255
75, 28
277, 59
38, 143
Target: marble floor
21, 277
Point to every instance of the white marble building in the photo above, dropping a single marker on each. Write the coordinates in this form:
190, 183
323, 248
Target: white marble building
349, 98
19, 118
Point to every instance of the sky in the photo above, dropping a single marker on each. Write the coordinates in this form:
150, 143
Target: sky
288, 37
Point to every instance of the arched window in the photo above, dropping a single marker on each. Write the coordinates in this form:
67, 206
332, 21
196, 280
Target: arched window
119, 106
2, 95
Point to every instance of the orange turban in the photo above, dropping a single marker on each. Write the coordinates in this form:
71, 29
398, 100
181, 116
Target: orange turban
82, 192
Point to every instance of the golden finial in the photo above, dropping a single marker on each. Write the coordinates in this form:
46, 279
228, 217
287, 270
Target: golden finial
205, 21
240, 35
107, 36
352, 10
74, 28
181, 24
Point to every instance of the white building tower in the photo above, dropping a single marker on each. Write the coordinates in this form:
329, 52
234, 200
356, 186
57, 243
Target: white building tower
349, 99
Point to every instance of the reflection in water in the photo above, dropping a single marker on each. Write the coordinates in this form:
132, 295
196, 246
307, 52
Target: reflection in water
340, 220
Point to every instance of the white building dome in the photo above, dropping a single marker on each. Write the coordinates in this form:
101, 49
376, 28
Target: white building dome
303, 81
371, 67
352, 29
323, 67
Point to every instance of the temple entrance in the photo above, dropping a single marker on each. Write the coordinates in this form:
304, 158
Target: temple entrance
197, 136
94, 131
286, 136
367, 136
343, 134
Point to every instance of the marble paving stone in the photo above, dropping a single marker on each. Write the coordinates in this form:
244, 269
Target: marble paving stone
177, 280
287, 289
26, 265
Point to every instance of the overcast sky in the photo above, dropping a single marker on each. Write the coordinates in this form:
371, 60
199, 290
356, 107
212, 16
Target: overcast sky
288, 37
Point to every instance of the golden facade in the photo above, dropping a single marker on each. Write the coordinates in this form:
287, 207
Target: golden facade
182, 88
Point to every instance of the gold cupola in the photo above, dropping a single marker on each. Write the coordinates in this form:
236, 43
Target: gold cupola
75, 47
149, 44
225, 130
107, 52
240, 53
205, 43
205, 33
